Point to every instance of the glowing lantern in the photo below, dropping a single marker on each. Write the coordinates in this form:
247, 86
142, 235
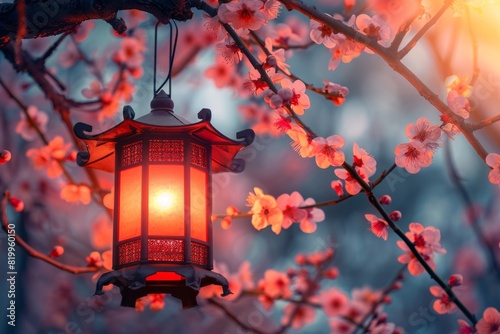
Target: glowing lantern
162, 239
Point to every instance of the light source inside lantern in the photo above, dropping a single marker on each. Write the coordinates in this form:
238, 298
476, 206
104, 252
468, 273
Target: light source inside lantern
166, 200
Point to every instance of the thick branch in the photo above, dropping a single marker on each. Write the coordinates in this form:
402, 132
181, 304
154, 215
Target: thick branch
49, 18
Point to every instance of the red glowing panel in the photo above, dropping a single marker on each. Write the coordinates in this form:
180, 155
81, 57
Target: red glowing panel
129, 217
198, 204
165, 276
166, 200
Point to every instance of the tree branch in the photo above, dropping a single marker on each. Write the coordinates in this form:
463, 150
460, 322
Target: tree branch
49, 18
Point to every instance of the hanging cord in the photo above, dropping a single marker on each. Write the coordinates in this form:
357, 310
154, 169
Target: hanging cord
172, 49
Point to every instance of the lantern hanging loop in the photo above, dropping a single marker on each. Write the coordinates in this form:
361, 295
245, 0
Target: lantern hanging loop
172, 49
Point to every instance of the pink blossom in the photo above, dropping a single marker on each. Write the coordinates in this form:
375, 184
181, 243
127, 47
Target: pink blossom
425, 133
25, 127
275, 59
337, 92
265, 212
443, 304
50, 156
351, 184
131, 52
334, 302
57, 251
458, 104
302, 315
221, 72
290, 204
94, 259
322, 34
363, 160
5, 157
341, 326
302, 142
271, 9
275, 284
426, 239
230, 52
337, 186
328, 151
490, 323
464, 328
412, 156
493, 160
313, 216
73, 193
379, 227
346, 50
414, 266
293, 94
460, 84
242, 14
375, 27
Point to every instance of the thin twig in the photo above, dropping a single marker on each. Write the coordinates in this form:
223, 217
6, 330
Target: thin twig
469, 205
485, 123
411, 44
234, 317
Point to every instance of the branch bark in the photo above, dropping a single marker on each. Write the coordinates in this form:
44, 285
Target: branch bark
54, 17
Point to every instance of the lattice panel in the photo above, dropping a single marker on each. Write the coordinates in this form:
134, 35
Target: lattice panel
199, 254
131, 154
165, 250
129, 252
166, 150
198, 155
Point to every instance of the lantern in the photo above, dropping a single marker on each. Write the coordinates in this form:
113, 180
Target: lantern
162, 234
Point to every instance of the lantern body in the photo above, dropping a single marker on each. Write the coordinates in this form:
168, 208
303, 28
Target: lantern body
162, 237
162, 202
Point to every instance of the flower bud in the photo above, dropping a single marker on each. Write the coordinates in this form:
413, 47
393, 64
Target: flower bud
385, 200
395, 215
17, 204
56, 251
455, 280
5, 157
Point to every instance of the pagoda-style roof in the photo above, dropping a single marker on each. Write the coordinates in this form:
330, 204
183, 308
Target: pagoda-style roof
101, 147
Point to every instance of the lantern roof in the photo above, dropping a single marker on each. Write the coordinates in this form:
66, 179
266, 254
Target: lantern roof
162, 119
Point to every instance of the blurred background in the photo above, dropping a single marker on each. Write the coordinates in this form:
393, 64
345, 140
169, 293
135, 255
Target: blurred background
379, 106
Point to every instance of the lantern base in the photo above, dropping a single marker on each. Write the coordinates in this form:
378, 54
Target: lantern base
136, 282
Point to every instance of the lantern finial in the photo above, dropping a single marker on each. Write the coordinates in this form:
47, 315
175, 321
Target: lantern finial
162, 101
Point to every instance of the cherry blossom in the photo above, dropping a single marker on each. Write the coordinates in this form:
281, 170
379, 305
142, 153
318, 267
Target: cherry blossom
341, 326
338, 187
443, 304
414, 266
351, 184
221, 72
385, 200
131, 52
363, 160
16, 204
425, 133
334, 302
346, 50
490, 323
458, 104
327, 151
242, 14
298, 315
464, 328
375, 27
455, 280
337, 92
57, 251
460, 84
271, 9
322, 34
275, 284
50, 156
379, 227
302, 142
73, 193
274, 58
493, 160
230, 52
313, 216
25, 127
290, 204
292, 93
413, 156
5, 157
265, 211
